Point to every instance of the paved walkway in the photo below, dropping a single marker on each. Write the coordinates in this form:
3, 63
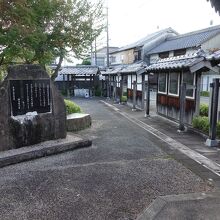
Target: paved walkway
190, 138
188, 148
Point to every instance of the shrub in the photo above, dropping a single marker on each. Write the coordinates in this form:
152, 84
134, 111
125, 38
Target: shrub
204, 110
201, 123
64, 92
218, 129
98, 92
205, 93
125, 94
124, 99
71, 107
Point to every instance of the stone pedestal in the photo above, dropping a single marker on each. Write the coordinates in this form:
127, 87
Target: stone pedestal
31, 109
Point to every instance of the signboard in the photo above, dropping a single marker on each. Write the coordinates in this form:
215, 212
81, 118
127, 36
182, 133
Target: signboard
29, 96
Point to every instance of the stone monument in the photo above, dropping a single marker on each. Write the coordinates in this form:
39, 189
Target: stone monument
31, 108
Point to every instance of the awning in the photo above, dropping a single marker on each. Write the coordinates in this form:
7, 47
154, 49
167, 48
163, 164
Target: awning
179, 62
194, 62
136, 68
113, 70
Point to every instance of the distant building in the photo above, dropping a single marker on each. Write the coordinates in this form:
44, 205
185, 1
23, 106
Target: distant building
100, 57
135, 51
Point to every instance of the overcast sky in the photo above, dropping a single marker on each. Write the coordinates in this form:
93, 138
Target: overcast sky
130, 20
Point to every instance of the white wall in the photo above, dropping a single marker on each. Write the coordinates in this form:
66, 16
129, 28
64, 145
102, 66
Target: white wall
212, 44
129, 82
139, 80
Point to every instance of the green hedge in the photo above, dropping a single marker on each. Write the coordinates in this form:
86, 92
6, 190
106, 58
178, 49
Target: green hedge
204, 110
205, 93
202, 123
71, 107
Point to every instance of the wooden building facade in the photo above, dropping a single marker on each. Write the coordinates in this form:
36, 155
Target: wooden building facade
172, 74
78, 80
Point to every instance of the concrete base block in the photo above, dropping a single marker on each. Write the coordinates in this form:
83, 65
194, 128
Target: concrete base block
211, 143
78, 121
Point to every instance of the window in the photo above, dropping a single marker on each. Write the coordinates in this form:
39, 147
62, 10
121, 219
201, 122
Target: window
100, 61
189, 79
164, 55
162, 83
122, 58
179, 52
174, 84
113, 59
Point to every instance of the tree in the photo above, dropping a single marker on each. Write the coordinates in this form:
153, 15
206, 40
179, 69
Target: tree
86, 62
40, 31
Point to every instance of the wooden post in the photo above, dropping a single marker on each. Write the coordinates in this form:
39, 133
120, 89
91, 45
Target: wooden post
93, 85
107, 88
114, 90
143, 90
68, 85
121, 87
211, 141
90, 86
102, 88
147, 110
182, 106
134, 94
198, 84
64, 86
72, 84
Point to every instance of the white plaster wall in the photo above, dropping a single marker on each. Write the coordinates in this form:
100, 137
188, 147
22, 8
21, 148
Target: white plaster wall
117, 58
139, 80
129, 82
212, 44
153, 57
191, 51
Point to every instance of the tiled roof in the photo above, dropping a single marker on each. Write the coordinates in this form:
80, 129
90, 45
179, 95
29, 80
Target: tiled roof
178, 62
146, 39
214, 56
59, 78
77, 71
138, 68
114, 70
189, 40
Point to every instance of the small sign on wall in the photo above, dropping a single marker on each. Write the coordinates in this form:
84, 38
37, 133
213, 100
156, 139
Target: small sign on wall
29, 96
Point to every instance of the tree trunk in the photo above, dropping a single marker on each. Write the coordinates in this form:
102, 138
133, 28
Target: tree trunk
55, 74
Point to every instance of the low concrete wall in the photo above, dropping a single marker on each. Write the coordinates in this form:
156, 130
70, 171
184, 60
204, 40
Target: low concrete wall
78, 121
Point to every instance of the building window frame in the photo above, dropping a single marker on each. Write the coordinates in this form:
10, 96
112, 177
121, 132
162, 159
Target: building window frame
179, 52
158, 90
178, 84
164, 55
194, 82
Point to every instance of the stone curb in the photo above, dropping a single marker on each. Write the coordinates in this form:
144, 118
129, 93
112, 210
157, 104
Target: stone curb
43, 152
158, 204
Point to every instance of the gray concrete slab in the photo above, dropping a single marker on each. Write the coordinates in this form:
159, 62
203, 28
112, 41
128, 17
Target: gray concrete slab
201, 206
123, 172
43, 149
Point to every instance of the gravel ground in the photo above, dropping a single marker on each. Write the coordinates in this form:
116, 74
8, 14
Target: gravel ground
117, 178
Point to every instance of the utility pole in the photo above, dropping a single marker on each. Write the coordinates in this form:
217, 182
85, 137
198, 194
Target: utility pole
107, 49
95, 53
